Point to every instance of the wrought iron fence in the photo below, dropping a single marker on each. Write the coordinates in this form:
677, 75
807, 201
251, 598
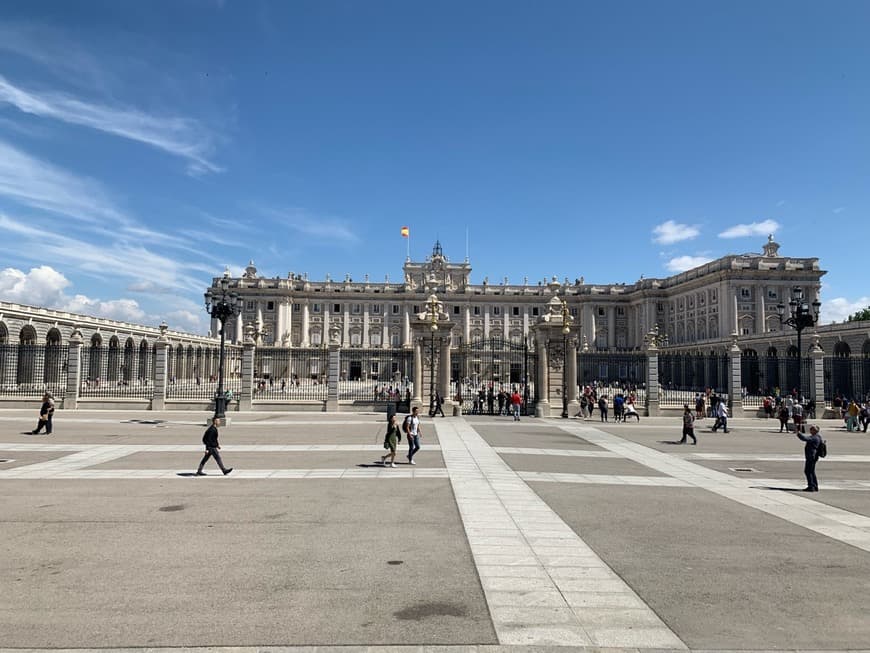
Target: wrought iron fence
193, 373
682, 376
762, 376
290, 374
31, 370
116, 372
377, 375
846, 377
494, 364
613, 372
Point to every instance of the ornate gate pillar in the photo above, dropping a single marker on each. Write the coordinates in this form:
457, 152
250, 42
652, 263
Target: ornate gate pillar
557, 373
431, 335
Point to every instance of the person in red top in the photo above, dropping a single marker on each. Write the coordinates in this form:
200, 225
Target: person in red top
516, 401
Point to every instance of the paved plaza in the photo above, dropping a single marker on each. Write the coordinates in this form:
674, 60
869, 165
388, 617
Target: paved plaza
506, 535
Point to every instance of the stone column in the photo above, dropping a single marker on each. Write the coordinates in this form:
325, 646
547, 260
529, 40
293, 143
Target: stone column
611, 327
345, 326
246, 394
161, 358
466, 327
73, 372
571, 371
417, 399
818, 356
306, 324
505, 322
333, 377
735, 387
365, 334
406, 329
239, 335
278, 338
486, 322
652, 380
543, 406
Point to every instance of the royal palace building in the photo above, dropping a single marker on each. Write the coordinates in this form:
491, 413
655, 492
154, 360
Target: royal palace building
705, 305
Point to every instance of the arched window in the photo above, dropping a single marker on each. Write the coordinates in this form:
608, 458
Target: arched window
142, 373
27, 354
113, 368
842, 350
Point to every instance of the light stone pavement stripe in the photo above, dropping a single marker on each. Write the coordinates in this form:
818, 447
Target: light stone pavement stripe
841, 525
580, 453
426, 648
764, 457
544, 586
164, 448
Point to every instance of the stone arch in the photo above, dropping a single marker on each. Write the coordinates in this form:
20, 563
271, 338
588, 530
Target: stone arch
791, 352
842, 350
27, 353
865, 348
53, 364
96, 340
771, 352
128, 366
355, 335
4, 334
27, 335
142, 371
113, 367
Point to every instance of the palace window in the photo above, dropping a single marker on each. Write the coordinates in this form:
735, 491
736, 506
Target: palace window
270, 306
496, 310
396, 309
315, 308
376, 309
515, 311
535, 311
336, 308
357, 309
250, 306
477, 310
745, 292
600, 311
620, 310
456, 310
297, 307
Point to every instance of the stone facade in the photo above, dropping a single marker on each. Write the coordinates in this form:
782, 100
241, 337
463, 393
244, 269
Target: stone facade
701, 307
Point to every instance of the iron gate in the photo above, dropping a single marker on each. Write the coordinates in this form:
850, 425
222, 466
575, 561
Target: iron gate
481, 370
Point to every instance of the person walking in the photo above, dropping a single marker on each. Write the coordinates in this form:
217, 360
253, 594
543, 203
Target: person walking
811, 456
45, 414
439, 405
212, 449
602, 407
516, 402
688, 425
721, 416
782, 415
413, 433
391, 441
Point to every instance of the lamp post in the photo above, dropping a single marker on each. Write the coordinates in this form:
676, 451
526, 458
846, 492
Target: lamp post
800, 317
567, 321
432, 316
222, 305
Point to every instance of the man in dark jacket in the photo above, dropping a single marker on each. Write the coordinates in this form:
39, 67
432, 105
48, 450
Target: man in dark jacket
45, 413
811, 455
212, 449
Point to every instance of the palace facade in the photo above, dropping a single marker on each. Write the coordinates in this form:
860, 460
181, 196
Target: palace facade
702, 306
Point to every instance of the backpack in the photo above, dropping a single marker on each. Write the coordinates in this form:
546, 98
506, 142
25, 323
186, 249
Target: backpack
406, 424
822, 450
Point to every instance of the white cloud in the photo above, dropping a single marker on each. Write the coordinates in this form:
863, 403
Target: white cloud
670, 232
683, 263
781, 203
838, 210
125, 310
839, 309
42, 286
762, 228
178, 136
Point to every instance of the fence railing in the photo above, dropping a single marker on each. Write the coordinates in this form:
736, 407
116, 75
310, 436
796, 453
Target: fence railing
290, 374
115, 372
31, 370
847, 377
377, 375
196, 376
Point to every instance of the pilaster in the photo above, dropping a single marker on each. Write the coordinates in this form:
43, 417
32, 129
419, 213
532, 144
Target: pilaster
73, 372
735, 387
161, 359
333, 376
818, 356
246, 394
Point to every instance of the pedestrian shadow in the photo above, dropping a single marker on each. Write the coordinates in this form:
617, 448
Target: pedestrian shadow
779, 489
144, 421
186, 474
670, 442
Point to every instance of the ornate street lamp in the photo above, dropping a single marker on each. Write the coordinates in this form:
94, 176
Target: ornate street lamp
432, 317
800, 317
222, 305
567, 321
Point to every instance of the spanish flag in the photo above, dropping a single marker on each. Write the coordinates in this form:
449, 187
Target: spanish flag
406, 233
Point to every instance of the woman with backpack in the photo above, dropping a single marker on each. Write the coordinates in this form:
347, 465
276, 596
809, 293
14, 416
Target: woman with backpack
391, 441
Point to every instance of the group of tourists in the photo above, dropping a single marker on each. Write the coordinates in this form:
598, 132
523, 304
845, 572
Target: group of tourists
624, 404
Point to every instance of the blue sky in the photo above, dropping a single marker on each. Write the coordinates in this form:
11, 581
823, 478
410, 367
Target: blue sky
144, 146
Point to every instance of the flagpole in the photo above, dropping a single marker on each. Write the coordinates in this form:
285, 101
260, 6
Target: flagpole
408, 255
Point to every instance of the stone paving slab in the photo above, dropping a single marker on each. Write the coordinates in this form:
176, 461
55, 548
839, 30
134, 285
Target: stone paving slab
577, 465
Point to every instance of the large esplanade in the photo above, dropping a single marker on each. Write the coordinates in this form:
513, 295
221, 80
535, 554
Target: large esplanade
702, 306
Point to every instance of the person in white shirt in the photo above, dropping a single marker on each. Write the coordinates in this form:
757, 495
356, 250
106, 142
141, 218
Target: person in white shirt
413, 433
721, 416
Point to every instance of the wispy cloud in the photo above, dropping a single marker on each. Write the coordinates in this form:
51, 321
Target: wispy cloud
182, 137
781, 203
683, 263
838, 210
317, 227
670, 232
39, 184
752, 229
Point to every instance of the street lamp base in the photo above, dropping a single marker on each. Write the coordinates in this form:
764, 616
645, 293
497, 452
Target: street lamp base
220, 408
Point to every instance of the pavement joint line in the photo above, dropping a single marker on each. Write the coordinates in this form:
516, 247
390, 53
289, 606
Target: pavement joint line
835, 523
172, 448
495, 502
